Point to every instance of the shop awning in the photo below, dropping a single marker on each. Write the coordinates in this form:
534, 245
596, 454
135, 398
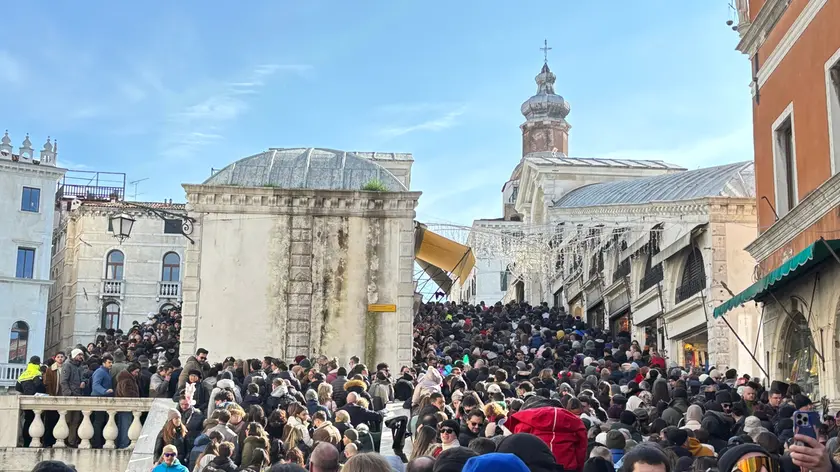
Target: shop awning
792, 268
446, 254
438, 275
677, 246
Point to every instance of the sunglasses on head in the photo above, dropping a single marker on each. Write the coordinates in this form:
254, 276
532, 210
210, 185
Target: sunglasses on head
756, 464
447, 431
168, 454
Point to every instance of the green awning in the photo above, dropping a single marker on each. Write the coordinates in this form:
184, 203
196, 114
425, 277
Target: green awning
793, 267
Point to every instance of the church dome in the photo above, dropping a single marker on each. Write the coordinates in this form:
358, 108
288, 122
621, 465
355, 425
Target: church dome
310, 168
546, 104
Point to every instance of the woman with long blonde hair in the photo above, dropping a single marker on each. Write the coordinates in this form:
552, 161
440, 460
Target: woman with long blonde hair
325, 392
424, 442
296, 432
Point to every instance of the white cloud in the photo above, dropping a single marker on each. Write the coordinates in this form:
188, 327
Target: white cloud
203, 121
416, 108
11, 70
438, 123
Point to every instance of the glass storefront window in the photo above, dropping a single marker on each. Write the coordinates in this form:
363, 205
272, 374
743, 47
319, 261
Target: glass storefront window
694, 351
621, 324
800, 363
595, 316
650, 337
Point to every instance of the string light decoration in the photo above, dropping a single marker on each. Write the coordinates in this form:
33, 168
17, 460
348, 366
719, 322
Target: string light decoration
542, 253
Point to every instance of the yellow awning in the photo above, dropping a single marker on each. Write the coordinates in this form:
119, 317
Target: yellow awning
443, 253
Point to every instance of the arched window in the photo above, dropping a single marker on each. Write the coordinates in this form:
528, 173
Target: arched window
110, 315
653, 275
171, 267
623, 269
114, 264
799, 362
18, 341
693, 277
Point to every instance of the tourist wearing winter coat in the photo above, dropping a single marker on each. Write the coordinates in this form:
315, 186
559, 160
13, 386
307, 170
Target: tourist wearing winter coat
197, 362
70, 382
429, 383
223, 384
159, 383
223, 461
172, 435
296, 432
168, 460
325, 431
256, 439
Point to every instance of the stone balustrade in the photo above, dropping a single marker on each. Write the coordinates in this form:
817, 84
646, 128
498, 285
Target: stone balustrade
9, 374
14, 407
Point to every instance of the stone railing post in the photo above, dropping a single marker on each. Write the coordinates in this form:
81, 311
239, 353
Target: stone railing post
110, 432
61, 430
12, 408
135, 429
36, 429
85, 430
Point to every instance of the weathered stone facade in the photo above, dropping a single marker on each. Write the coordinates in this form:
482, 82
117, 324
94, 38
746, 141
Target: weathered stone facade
285, 272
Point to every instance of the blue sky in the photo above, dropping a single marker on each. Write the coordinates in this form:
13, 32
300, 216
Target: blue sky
168, 90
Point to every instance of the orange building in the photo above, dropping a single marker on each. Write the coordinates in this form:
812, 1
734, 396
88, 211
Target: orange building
794, 49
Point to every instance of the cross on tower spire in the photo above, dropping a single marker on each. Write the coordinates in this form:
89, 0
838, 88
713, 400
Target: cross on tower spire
545, 50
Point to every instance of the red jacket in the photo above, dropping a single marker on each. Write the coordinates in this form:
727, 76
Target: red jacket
657, 362
560, 429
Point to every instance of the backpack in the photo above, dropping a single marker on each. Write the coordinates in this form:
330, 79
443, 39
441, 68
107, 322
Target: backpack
378, 403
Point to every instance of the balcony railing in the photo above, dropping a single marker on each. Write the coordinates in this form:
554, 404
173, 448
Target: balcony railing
170, 290
112, 288
9, 374
693, 286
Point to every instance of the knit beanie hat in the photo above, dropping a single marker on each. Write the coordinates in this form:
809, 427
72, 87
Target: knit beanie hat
616, 440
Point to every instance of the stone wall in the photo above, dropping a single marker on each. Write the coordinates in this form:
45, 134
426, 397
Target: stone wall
286, 272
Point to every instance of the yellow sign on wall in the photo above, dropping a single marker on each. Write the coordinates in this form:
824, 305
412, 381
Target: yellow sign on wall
382, 308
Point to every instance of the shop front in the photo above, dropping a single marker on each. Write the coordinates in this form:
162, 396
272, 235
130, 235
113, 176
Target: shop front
694, 351
620, 322
594, 304
687, 332
647, 311
595, 315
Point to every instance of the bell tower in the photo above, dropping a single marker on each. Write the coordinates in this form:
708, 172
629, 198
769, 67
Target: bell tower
545, 128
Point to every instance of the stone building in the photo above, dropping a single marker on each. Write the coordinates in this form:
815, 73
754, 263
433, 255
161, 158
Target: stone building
794, 50
27, 192
291, 254
653, 256
543, 174
103, 283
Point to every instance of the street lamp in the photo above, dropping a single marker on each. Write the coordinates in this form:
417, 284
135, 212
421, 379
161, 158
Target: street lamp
121, 226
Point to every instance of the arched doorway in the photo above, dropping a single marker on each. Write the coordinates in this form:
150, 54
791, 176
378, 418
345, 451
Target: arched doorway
800, 363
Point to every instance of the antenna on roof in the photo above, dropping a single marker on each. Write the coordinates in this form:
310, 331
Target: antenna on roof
136, 183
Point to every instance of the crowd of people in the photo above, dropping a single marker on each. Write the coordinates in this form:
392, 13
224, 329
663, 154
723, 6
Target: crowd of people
508, 387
